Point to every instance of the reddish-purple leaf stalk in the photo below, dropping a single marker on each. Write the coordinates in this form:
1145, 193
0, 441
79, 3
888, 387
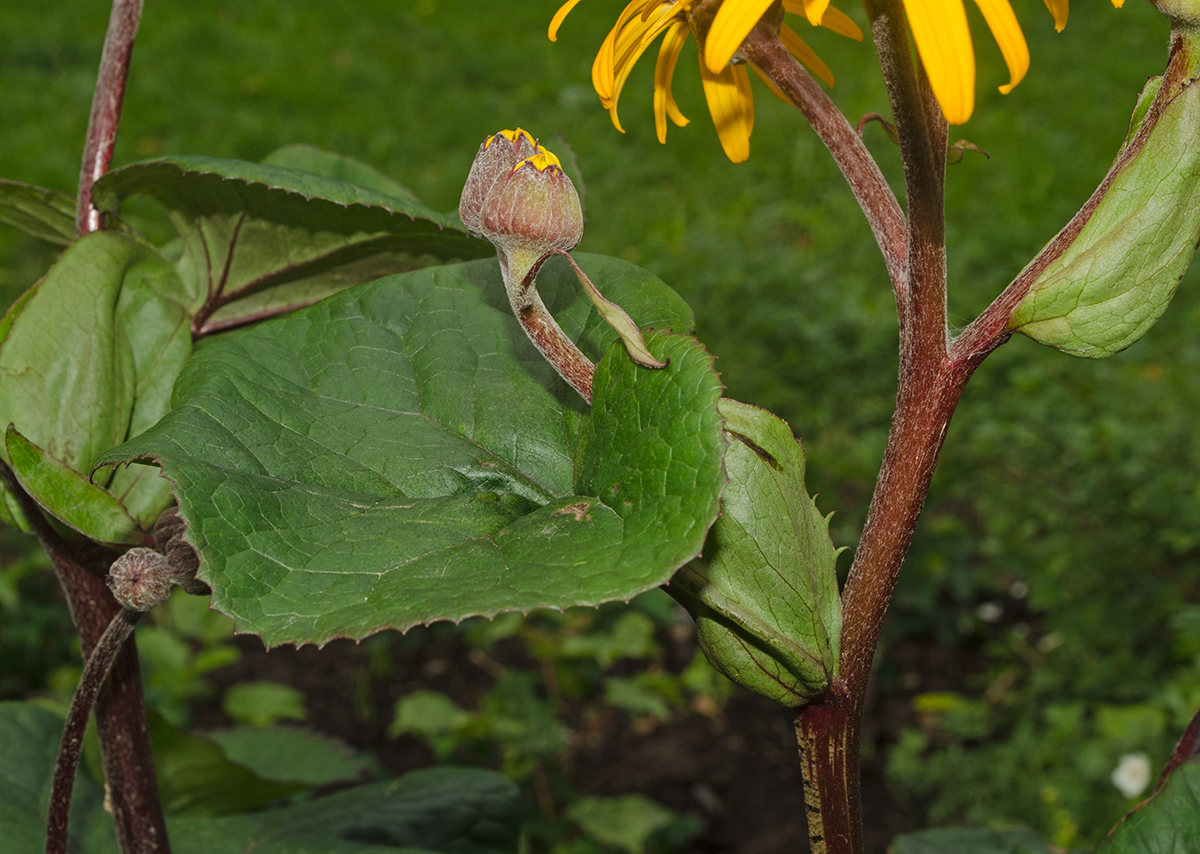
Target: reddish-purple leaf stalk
106, 108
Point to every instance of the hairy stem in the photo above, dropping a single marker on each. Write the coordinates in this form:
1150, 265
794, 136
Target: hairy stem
120, 706
106, 108
94, 673
875, 197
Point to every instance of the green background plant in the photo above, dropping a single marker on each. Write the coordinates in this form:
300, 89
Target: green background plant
1060, 535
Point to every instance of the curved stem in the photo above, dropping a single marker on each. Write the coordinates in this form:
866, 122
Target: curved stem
875, 197
120, 706
106, 108
94, 673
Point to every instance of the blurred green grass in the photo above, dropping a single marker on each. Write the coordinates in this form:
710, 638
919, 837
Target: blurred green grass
1074, 479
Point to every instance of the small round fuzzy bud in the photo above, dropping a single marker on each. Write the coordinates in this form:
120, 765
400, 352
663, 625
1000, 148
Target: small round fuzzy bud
140, 579
497, 156
532, 210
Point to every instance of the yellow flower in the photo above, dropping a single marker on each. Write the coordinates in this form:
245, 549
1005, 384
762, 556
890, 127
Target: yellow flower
944, 43
726, 86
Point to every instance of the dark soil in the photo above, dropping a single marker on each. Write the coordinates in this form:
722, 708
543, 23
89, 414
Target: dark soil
736, 767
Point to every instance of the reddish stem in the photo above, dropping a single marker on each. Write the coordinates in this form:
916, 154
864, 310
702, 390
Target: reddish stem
106, 108
120, 707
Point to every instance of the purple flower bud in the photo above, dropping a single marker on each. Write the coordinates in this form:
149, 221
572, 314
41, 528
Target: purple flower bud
497, 156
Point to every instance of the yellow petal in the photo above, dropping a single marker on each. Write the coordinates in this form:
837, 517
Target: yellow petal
1007, 32
732, 106
944, 43
733, 22
798, 48
1118, 3
556, 21
664, 70
839, 22
632, 42
1059, 9
814, 10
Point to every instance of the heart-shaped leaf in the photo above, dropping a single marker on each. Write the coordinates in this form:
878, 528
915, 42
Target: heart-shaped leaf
400, 453
261, 239
765, 594
88, 357
46, 214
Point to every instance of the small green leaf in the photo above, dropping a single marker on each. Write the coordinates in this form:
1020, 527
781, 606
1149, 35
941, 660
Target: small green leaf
400, 453
284, 754
263, 703
1167, 823
69, 496
626, 822
46, 214
765, 594
196, 778
261, 239
962, 840
339, 167
1100, 290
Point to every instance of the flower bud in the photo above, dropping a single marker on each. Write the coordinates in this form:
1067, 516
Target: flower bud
497, 157
532, 211
1186, 12
140, 579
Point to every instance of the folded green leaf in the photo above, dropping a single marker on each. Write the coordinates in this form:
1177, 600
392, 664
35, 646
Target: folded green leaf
46, 214
262, 239
765, 594
400, 453
1109, 275
88, 357
69, 496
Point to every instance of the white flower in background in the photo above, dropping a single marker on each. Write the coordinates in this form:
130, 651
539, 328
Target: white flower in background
1132, 774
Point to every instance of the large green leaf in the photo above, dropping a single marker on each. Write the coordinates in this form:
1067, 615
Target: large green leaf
47, 214
88, 358
765, 594
1168, 823
260, 239
442, 810
400, 453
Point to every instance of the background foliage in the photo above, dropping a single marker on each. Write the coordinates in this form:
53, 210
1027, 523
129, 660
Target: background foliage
1054, 570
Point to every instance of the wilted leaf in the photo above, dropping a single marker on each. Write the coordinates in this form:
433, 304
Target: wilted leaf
261, 239
765, 594
401, 453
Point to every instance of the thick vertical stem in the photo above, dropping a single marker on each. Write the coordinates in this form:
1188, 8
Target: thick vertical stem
120, 706
106, 108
